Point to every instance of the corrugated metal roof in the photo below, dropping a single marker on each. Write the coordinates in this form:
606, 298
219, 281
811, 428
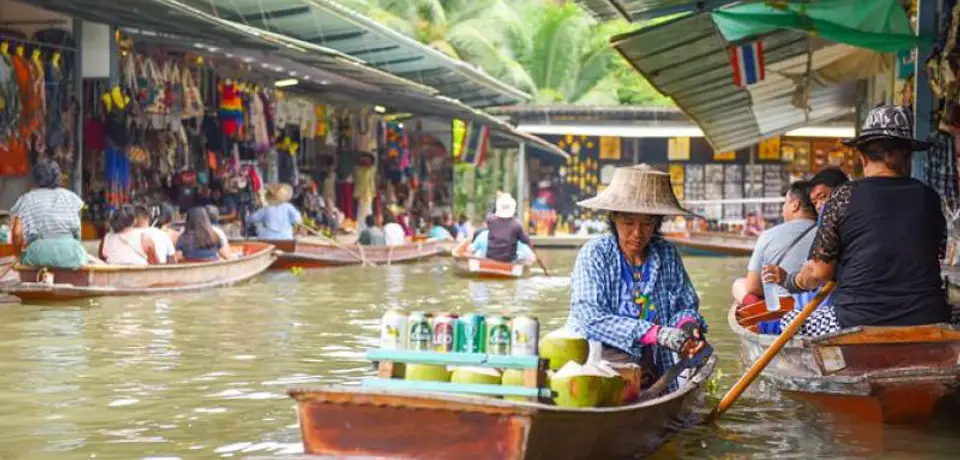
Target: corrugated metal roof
687, 60
642, 10
332, 25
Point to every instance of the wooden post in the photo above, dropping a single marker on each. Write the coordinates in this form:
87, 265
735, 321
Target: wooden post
922, 96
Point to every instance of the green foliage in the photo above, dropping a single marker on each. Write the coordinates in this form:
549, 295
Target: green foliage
551, 49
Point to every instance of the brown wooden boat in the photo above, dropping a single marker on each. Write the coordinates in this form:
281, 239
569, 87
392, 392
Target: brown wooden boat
880, 374
476, 267
318, 253
713, 243
117, 280
381, 423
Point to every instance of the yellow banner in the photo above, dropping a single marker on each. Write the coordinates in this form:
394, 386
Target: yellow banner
724, 156
610, 148
678, 149
769, 149
459, 130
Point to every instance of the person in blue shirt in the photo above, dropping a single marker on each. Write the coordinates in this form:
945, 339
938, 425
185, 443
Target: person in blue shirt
438, 231
479, 248
276, 221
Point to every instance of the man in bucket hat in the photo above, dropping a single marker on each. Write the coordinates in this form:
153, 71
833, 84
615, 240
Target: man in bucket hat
504, 232
629, 288
881, 238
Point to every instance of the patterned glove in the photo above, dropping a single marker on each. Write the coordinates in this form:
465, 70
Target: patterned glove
672, 338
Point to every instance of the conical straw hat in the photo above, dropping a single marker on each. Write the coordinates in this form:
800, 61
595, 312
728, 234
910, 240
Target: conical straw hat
637, 189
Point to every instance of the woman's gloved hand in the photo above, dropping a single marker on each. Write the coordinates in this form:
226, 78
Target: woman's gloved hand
686, 340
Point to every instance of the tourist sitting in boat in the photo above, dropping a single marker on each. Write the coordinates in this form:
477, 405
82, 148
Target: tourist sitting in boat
505, 232
478, 248
823, 183
199, 242
465, 229
165, 217
371, 235
787, 244
161, 241
276, 221
126, 244
438, 231
753, 226
393, 232
629, 288
214, 214
881, 238
45, 230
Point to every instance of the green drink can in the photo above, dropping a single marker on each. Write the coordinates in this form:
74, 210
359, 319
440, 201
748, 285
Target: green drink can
498, 335
472, 333
420, 337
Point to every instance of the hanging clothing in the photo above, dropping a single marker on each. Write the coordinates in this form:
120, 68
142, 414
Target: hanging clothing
941, 167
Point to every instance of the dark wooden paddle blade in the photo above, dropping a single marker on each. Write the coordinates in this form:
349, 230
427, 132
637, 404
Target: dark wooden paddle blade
761, 363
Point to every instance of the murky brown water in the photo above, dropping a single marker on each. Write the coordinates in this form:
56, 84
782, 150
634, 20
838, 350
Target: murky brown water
203, 375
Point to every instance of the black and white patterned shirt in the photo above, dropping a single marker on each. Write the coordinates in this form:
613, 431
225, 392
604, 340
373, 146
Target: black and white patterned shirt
47, 212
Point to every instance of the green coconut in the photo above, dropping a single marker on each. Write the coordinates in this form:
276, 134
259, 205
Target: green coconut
482, 375
576, 387
562, 346
611, 383
513, 377
427, 373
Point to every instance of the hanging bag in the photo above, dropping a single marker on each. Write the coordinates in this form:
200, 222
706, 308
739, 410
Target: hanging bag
192, 100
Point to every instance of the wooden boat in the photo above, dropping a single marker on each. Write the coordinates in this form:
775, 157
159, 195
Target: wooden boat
713, 243
895, 375
317, 253
476, 267
116, 280
383, 423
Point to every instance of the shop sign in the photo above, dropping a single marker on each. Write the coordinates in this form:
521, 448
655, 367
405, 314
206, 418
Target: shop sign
678, 149
769, 149
724, 156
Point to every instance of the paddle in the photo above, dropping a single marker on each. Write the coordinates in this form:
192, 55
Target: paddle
768, 355
363, 260
697, 360
540, 262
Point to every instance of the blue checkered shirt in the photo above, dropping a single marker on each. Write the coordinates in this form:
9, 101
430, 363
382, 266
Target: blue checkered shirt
596, 295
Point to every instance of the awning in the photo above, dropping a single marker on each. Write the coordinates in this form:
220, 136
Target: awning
688, 60
642, 10
332, 25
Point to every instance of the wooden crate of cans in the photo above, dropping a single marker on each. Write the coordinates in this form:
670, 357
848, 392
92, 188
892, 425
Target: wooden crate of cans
432, 343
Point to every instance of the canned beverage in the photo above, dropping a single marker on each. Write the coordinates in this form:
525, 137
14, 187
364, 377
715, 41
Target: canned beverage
472, 333
498, 335
444, 332
421, 334
525, 332
393, 330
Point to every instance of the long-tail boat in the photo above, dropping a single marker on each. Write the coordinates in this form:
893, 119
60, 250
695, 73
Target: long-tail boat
402, 419
317, 253
713, 243
894, 375
42, 284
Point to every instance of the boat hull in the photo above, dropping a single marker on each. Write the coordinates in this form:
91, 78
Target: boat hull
356, 421
473, 267
305, 253
118, 280
713, 244
897, 375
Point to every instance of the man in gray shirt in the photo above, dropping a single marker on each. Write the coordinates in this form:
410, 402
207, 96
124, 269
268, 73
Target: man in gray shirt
786, 245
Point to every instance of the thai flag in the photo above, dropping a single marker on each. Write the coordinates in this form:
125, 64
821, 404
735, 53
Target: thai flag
476, 142
747, 62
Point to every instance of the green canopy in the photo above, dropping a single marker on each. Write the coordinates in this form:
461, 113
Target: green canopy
879, 25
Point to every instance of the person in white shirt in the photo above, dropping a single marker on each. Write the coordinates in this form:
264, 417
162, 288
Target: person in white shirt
392, 231
162, 243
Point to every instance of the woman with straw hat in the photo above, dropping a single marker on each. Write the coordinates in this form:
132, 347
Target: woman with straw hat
276, 220
629, 288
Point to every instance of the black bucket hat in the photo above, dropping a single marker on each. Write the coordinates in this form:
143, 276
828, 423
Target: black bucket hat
888, 122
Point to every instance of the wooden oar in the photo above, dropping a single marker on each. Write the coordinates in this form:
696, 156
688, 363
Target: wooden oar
768, 355
540, 262
363, 260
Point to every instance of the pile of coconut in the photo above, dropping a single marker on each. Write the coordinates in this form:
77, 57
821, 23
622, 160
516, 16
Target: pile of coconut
578, 376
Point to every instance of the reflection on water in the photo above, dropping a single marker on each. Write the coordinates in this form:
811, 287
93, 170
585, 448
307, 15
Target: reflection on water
205, 374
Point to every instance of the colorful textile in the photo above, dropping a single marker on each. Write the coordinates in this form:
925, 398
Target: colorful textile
231, 110
597, 294
747, 62
476, 143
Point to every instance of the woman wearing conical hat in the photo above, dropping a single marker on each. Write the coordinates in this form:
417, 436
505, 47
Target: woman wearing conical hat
277, 220
629, 288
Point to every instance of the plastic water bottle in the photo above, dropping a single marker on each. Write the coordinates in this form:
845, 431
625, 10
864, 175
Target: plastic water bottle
771, 294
